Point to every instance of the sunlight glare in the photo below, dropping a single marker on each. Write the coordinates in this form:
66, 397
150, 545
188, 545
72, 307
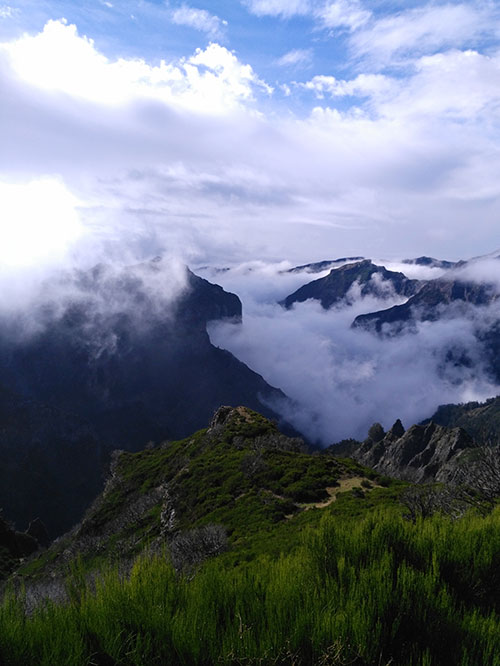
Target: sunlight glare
38, 222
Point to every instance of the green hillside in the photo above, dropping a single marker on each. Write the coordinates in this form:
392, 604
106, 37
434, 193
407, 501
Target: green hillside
236, 546
480, 419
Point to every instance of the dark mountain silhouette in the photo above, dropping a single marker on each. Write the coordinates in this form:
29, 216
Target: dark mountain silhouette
429, 304
320, 266
111, 364
373, 281
430, 262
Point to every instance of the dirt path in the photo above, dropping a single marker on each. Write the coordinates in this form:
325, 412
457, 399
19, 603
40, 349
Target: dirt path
333, 491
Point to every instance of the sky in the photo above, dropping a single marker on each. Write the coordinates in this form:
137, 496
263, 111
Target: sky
239, 130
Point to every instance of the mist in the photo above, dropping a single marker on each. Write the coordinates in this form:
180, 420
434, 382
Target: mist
341, 380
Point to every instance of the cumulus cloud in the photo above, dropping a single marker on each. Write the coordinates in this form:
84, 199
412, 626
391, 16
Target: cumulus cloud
182, 155
199, 19
342, 380
364, 85
59, 59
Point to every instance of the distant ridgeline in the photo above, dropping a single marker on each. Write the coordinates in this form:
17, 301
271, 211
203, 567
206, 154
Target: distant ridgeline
455, 295
115, 358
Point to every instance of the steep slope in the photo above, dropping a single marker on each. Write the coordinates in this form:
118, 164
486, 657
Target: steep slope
236, 547
423, 453
14, 546
452, 298
480, 420
240, 473
109, 359
371, 280
430, 303
51, 462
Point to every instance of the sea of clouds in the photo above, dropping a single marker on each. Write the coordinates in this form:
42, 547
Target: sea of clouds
340, 379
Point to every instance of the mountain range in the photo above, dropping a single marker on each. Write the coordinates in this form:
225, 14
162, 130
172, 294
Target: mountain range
113, 358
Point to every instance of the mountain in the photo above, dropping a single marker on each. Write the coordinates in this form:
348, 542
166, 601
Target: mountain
110, 358
237, 546
481, 420
371, 280
240, 472
320, 266
51, 462
452, 298
14, 546
430, 303
430, 262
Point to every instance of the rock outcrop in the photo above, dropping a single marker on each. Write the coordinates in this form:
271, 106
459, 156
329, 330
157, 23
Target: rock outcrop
421, 454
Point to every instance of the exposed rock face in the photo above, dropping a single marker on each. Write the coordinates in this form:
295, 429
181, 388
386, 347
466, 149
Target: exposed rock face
372, 280
422, 453
480, 420
38, 531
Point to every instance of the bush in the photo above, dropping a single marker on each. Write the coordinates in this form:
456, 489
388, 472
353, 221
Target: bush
190, 548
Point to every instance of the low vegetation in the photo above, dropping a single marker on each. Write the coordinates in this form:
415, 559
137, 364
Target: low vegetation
236, 547
376, 590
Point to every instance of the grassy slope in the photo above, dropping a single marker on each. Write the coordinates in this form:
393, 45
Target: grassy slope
352, 582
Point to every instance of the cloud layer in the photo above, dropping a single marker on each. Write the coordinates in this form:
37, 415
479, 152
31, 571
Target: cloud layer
394, 153
343, 380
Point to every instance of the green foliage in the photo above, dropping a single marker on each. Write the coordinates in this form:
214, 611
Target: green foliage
302, 578
375, 590
480, 420
242, 473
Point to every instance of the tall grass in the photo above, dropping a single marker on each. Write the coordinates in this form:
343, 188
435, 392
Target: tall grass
364, 592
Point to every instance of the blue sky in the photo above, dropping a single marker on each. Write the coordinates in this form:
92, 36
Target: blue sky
227, 130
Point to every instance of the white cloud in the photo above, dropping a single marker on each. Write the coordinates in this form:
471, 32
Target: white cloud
199, 19
423, 30
364, 85
458, 85
7, 12
327, 13
342, 14
343, 380
295, 57
282, 8
58, 59
180, 155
